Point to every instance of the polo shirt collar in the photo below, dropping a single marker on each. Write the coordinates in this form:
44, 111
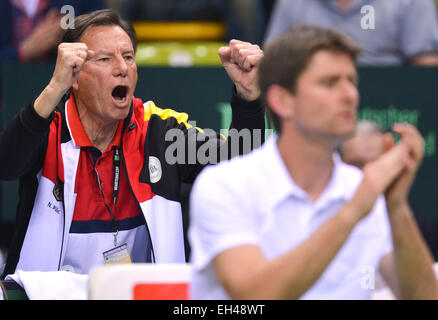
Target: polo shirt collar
77, 131
279, 182
282, 185
337, 187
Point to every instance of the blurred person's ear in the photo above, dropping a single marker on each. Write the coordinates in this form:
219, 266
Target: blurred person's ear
281, 101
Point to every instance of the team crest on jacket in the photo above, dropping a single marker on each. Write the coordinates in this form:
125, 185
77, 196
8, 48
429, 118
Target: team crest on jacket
57, 191
154, 169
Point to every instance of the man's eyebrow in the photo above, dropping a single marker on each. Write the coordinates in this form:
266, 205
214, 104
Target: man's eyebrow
337, 76
110, 53
330, 77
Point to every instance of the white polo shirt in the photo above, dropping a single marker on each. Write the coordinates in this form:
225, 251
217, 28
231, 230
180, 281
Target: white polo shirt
253, 200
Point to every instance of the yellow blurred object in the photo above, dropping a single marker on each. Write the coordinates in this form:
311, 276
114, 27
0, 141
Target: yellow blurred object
179, 54
180, 31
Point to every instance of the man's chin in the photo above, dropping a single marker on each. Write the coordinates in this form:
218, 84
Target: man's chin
343, 137
120, 114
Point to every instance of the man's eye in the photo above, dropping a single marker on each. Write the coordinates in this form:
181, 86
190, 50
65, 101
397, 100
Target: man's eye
103, 59
354, 81
129, 58
329, 83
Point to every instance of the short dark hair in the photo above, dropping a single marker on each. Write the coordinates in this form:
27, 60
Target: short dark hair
288, 55
105, 17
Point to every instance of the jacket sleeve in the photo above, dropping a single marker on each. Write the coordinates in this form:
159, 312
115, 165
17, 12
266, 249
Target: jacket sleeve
22, 142
246, 114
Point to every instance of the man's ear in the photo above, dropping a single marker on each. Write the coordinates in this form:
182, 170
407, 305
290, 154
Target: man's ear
281, 101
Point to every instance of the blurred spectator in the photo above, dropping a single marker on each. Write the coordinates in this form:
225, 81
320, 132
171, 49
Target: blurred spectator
389, 32
30, 29
34, 43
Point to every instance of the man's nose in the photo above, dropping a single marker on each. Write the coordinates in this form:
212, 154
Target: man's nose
350, 92
120, 67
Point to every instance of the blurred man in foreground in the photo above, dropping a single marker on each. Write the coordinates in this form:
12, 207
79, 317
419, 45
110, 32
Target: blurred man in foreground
291, 220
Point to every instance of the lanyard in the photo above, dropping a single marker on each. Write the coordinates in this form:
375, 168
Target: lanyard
116, 167
116, 164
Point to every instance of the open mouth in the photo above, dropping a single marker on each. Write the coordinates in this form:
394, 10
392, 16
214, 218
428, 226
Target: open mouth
119, 93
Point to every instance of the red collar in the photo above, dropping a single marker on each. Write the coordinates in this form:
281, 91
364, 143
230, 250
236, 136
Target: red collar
77, 131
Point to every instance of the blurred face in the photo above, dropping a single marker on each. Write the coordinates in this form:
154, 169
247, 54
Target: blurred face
326, 97
107, 81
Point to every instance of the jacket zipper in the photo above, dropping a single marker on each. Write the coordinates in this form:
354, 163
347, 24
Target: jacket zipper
135, 198
63, 230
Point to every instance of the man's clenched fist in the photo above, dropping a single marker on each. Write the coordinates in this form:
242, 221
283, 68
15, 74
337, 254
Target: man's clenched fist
241, 60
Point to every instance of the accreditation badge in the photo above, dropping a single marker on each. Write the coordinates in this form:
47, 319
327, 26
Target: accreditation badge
117, 255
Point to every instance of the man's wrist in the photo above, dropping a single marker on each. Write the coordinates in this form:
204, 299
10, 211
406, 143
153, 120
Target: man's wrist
398, 208
247, 95
54, 89
243, 106
47, 100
